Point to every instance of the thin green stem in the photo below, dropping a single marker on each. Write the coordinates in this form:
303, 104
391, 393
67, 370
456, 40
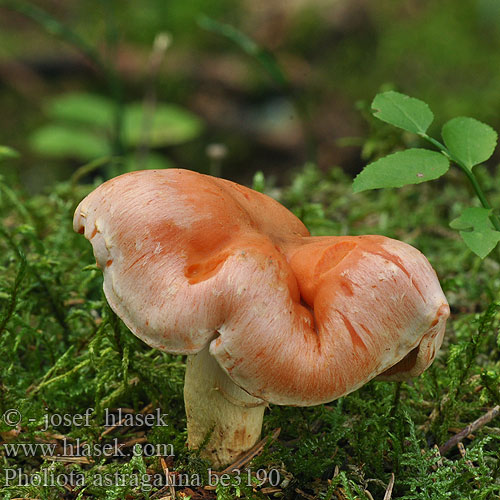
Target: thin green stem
55, 28
270, 64
106, 66
470, 175
89, 168
114, 84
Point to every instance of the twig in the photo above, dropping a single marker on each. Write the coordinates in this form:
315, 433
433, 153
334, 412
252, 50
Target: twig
439, 462
270, 489
461, 449
388, 491
133, 442
68, 459
454, 440
144, 411
303, 494
252, 452
249, 455
111, 428
160, 492
169, 487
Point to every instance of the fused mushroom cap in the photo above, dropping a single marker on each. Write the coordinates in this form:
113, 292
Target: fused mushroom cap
191, 260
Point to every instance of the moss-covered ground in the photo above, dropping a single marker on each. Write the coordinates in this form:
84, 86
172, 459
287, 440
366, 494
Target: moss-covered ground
62, 351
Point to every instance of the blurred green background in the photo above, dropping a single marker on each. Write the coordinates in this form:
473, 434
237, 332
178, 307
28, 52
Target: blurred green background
90, 89
154, 108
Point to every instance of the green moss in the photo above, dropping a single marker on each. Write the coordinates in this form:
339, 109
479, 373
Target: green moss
62, 350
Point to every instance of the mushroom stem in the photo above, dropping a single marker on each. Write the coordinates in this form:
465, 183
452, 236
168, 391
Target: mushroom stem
218, 408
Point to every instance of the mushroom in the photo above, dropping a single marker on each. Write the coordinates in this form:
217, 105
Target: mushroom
266, 313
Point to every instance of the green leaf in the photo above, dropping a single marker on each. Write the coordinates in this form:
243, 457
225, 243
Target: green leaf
469, 140
412, 166
477, 230
6, 152
66, 142
79, 107
402, 111
168, 125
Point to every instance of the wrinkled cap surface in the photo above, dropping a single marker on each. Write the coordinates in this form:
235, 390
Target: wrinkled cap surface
190, 260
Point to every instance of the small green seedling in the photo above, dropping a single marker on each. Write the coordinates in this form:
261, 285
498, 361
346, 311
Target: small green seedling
467, 143
82, 123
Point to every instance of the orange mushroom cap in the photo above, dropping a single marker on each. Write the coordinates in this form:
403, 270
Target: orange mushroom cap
191, 260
